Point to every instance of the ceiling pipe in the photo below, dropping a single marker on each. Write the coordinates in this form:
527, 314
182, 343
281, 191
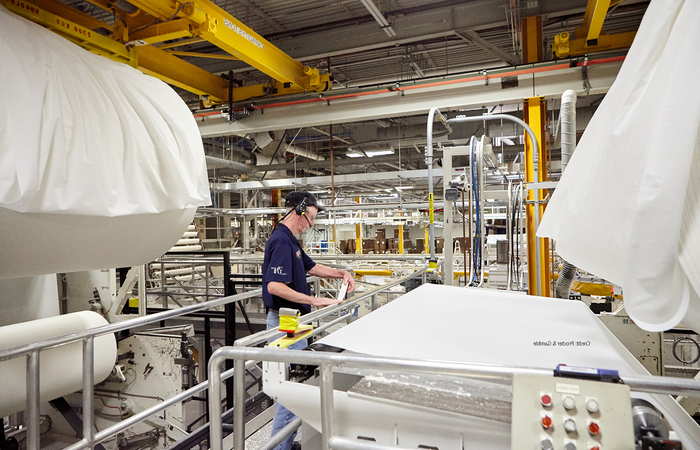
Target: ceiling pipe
568, 126
535, 163
567, 116
303, 152
429, 161
353, 207
238, 167
362, 161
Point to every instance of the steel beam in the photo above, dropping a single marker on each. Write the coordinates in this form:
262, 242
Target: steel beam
177, 72
473, 36
72, 14
550, 84
162, 32
564, 47
532, 39
534, 115
596, 10
325, 180
73, 31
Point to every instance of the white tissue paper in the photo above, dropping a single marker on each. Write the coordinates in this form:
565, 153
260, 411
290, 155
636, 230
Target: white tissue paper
628, 206
100, 165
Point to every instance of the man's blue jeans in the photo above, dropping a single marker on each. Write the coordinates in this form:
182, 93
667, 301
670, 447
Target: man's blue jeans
283, 416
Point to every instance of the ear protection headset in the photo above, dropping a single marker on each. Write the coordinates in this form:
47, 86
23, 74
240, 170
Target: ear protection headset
300, 209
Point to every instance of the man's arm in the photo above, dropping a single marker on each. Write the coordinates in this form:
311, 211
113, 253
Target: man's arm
287, 293
319, 270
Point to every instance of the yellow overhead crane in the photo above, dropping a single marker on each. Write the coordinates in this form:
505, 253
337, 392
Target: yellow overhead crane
590, 36
136, 33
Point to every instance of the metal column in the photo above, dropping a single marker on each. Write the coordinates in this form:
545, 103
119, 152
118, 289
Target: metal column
532, 39
534, 116
229, 324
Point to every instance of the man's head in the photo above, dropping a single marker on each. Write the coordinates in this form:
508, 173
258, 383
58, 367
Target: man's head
305, 207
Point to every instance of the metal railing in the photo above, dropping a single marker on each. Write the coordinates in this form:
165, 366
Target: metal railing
326, 362
269, 335
33, 351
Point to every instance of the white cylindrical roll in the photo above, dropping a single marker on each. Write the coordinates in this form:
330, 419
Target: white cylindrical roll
52, 243
61, 367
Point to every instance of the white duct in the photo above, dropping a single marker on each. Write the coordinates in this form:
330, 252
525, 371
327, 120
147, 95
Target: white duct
261, 139
568, 127
303, 152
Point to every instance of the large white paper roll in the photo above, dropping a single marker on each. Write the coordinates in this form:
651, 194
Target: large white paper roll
627, 208
51, 243
101, 166
61, 368
28, 298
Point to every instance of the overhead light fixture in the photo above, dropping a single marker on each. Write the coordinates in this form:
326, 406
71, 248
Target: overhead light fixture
401, 188
380, 152
370, 153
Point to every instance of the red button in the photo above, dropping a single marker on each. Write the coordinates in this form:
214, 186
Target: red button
593, 428
546, 422
546, 400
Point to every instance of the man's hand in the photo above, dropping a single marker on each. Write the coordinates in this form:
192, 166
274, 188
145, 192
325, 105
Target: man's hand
347, 278
323, 301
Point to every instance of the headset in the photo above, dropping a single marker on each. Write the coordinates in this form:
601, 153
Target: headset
300, 209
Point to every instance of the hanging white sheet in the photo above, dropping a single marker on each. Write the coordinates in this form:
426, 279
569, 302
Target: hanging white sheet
100, 165
628, 207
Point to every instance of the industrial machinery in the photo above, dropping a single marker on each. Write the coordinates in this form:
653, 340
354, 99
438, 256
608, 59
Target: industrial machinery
566, 388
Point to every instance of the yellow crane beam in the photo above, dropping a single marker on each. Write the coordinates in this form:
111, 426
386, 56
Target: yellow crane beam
159, 21
180, 73
77, 31
223, 30
590, 37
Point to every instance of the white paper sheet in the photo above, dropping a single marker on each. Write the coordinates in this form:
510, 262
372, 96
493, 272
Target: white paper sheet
627, 209
447, 323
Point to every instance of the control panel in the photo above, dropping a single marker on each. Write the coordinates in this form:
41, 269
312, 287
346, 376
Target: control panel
551, 413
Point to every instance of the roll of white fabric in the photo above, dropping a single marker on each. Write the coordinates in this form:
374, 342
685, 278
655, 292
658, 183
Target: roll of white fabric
61, 368
100, 165
627, 209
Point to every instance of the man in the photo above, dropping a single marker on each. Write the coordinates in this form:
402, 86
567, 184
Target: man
284, 279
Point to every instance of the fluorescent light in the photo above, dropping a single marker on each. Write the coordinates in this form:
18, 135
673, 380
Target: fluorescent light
380, 152
401, 188
370, 153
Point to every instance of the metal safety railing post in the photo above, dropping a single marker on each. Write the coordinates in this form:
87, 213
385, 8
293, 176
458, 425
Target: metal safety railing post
327, 410
267, 336
33, 385
89, 391
327, 361
90, 437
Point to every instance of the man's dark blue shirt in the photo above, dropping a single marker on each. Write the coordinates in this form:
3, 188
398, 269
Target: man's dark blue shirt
285, 262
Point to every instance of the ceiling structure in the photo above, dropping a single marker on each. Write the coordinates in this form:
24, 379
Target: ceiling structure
374, 49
